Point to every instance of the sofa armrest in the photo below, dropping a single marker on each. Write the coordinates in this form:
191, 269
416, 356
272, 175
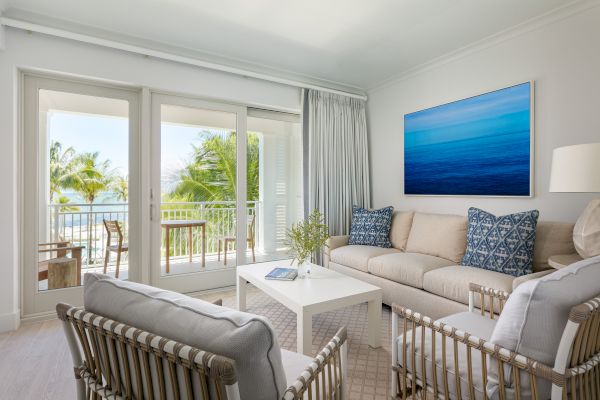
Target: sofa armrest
535, 275
333, 243
325, 375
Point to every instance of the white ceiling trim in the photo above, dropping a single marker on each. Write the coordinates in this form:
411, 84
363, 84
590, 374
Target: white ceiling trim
146, 51
535, 23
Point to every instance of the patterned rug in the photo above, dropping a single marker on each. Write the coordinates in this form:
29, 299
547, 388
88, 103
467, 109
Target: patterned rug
368, 369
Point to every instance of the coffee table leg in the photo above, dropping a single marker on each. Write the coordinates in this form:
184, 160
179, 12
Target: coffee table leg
304, 334
374, 315
241, 293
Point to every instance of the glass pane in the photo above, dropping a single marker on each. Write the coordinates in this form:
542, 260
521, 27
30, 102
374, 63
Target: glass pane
83, 181
198, 189
274, 186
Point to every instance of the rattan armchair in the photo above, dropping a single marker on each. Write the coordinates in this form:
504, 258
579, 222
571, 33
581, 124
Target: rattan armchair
575, 374
98, 343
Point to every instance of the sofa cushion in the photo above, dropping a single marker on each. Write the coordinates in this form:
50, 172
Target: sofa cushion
551, 238
502, 244
357, 256
405, 268
247, 339
401, 223
439, 235
472, 323
453, 282
543, 305
371, 227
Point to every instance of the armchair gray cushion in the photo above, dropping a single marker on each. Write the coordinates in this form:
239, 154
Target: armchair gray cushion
247, 339
535, 315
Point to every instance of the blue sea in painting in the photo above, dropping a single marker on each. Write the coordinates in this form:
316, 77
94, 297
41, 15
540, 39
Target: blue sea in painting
477, 146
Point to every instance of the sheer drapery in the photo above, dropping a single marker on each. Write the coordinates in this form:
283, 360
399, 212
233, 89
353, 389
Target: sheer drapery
336, 157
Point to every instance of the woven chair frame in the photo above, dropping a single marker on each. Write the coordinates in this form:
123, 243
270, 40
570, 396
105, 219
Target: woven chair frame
96, 341
576, 374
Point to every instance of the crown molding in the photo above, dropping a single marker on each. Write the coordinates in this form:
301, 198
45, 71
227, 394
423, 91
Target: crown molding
548, 18
67, 30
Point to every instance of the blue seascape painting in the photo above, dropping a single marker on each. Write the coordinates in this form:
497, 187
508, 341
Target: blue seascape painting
478, 146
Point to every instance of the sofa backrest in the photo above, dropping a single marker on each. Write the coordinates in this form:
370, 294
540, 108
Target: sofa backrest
400, 229
551, 238
246, 338
440, 235
534, 317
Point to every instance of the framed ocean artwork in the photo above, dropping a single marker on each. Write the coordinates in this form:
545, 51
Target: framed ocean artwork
479, 146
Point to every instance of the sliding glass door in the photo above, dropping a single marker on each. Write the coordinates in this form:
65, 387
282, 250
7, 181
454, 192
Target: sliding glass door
274, 182
222, 186
198, 193
80, 190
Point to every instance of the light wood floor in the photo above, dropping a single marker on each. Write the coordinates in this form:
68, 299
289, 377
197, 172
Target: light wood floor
35, 362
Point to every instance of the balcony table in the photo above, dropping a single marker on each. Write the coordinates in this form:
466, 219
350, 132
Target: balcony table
190, 224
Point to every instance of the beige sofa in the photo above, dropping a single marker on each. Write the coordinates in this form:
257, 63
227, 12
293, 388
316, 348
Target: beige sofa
422, 270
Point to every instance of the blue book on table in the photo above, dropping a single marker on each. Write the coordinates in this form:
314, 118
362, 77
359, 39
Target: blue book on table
282, 274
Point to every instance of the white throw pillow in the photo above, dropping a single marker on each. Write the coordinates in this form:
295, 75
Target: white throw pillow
536, 313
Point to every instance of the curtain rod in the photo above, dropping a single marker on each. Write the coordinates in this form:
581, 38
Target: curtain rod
28, 26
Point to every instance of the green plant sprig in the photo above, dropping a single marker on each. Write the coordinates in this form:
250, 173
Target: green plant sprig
307, 236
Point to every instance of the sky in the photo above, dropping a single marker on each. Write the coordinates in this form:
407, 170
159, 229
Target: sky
503, 110
109, 137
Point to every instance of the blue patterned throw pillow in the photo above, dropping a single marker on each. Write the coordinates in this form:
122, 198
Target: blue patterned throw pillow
371, 228
502, 244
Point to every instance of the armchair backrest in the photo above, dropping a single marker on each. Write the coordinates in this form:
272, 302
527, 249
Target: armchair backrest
535, 319
247, 339
115, 360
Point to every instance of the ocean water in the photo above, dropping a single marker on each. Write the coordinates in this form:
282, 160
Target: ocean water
490, 165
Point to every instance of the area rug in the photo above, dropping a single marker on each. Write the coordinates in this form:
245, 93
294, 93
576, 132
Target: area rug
368, 369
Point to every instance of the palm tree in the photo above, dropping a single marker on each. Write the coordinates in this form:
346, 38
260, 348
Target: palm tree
90, 176
120, 187
61, 167
67, 207
211, 175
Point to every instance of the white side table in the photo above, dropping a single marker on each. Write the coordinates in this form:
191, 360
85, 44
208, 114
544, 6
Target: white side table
563, 260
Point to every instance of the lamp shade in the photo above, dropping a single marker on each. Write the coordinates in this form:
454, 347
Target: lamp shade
576, 169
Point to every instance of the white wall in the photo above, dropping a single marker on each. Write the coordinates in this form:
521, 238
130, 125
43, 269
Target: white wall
564, 60
36, 51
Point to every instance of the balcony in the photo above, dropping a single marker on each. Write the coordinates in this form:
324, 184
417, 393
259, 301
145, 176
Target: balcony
82, 225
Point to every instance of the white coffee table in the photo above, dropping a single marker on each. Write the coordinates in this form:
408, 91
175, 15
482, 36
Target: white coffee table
326, 290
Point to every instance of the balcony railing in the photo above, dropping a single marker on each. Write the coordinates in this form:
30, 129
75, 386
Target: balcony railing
82, 224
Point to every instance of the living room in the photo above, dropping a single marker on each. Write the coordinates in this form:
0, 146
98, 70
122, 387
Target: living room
426, 174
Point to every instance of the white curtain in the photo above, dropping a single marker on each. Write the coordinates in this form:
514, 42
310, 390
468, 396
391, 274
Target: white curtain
336, 157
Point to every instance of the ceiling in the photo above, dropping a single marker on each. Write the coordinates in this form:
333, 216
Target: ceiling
356, 44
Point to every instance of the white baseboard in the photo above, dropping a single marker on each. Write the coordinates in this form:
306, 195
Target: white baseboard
10, 322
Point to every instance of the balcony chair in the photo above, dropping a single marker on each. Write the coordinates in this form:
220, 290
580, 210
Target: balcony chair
114, 228
133, 341
507, 349
58, 252
231, 239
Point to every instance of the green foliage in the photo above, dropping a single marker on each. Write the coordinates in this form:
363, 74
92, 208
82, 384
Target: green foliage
211, 175
120, 186
307, 236
90, 176
61, 167
67, 207
84, 173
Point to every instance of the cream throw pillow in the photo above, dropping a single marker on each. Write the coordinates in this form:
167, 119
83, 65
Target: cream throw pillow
440, 235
